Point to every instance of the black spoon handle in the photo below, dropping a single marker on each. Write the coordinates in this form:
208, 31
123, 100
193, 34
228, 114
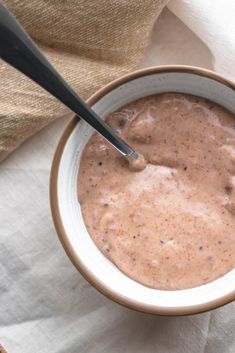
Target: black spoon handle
19, 50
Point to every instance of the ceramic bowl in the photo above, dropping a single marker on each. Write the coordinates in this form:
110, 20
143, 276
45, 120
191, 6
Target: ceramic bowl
82, 251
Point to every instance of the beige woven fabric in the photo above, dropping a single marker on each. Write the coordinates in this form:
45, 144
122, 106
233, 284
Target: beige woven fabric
90, 42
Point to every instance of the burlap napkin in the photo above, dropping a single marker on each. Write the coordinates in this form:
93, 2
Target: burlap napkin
90, 42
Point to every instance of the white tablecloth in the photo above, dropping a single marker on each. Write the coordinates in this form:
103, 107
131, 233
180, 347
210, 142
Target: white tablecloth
45, 304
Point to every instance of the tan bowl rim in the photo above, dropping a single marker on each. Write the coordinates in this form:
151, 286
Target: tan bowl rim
55, 206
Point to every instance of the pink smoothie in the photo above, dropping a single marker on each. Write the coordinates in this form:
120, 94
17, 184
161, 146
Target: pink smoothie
171, 225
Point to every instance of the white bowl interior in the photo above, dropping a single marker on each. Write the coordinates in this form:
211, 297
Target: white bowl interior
105, 272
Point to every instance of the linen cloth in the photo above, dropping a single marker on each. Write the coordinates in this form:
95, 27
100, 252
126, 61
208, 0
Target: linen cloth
213, 22
89, 42
45, 304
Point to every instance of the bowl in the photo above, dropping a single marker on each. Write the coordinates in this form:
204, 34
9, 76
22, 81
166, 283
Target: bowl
80, 248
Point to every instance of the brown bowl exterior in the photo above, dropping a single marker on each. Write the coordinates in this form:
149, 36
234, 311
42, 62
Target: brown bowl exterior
55, 206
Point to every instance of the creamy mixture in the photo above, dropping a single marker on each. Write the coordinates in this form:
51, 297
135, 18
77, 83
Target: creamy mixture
171, 225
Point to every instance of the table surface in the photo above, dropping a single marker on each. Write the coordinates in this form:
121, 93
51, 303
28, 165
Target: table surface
46, 305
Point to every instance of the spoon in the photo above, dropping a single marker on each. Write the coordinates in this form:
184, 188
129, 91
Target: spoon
20, 51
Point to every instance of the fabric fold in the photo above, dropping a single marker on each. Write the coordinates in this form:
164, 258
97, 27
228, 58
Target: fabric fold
213, 22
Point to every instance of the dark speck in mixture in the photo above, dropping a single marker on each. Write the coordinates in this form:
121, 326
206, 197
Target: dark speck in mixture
228, 189
100, 163
210, 107
185, 168
220, 242
200, 248
162, 241
122, 122
106, 204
